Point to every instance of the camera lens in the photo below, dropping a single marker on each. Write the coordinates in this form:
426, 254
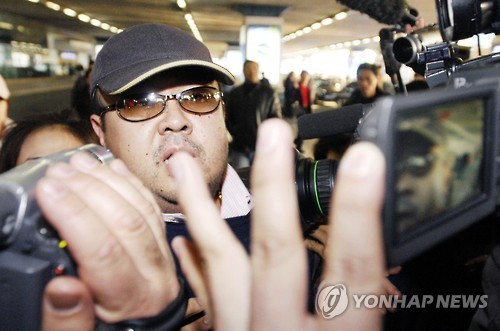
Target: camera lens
406, 48
315, 181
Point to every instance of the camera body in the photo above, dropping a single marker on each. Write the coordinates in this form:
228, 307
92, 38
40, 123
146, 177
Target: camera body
31, 253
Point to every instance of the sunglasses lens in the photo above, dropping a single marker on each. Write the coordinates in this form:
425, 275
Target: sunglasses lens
200, 99
417, 165
141, 108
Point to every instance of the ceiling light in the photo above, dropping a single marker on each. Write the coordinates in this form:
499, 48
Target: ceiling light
52, 5
327, 21
316, 26
95, 22
182, 4
105, 26
6, 26
34, 1
70, 12
340, 16
307, 29
84, 18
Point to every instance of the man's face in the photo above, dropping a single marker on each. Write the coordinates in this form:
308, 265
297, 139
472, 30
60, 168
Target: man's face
251, 72
422, 187
146, 146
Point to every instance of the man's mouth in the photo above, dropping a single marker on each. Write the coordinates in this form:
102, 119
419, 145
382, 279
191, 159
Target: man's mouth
174, 149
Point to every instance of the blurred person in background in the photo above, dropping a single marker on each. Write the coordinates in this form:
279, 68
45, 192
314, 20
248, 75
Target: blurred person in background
5, 121
248, 105
80, 97
42, 135
291, 95
368, 90
307, 93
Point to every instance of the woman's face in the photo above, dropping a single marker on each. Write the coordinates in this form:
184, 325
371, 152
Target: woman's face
46, 141
367, 82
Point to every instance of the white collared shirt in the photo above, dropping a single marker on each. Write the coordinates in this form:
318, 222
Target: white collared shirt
236, 199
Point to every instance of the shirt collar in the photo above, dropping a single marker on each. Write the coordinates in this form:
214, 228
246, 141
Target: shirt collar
236, 199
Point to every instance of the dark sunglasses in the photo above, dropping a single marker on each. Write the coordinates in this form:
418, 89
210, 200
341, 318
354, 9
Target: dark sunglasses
142, 107
417, 165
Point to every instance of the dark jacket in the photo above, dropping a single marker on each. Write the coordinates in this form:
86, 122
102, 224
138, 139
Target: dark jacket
357, 97
247, 106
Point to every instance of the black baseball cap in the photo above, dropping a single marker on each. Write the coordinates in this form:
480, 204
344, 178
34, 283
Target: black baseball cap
142, 51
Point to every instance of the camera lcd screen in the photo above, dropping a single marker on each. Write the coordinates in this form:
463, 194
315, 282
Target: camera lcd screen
438, 160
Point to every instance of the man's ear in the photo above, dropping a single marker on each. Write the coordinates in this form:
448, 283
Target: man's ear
98, 126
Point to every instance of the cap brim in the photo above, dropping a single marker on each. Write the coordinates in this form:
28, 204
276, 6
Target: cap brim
119, 82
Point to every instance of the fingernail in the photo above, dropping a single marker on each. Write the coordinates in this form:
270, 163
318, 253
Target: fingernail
358, 161
85, 160
63, 303
267, 139
53, 188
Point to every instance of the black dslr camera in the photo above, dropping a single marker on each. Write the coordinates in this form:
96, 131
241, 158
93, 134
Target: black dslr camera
31, 253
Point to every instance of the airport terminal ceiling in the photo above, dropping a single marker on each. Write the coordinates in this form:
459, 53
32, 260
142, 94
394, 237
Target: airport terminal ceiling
218, 21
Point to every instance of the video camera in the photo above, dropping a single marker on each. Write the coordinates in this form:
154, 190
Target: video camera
450, 131
441, 149
31, 253
433, 52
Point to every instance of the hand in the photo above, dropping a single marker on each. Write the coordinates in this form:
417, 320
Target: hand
318, 245
317, 242
267, 291
115, 234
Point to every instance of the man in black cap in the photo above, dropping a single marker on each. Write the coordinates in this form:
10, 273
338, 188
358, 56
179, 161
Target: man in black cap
161, 113
424, 165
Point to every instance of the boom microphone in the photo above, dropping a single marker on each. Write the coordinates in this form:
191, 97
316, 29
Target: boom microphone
383, 11
330, 122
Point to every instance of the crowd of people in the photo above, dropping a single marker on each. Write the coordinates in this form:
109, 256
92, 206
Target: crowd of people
168, 236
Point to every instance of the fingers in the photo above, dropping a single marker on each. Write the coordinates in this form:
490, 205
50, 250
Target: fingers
321, 233
278, 253
118, 256
67, 305
316, 247
225, 262
392, 291
191, 264
355, 252
318, 243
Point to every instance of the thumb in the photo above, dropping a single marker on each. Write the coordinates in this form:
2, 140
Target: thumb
67, 305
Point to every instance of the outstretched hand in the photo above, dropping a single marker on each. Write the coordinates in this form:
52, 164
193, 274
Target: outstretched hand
114, 232
268, 290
